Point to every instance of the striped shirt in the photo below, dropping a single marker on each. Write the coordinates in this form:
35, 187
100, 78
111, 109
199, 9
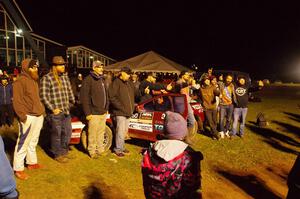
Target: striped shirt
55, 96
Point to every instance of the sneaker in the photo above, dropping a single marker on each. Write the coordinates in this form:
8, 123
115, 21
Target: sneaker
34, 166
221, 134
227, 134
61, 159
126, 151
119, 154
21, 175
216, 136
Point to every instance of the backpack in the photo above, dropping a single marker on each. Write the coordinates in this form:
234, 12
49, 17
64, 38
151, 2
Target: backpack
261, 120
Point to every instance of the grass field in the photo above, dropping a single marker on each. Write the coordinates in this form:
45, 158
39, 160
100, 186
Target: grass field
253, 167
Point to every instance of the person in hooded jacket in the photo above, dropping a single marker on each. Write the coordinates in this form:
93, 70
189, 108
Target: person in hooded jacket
170, 168
208, 94
241, 90
94, 99
29, 109
6, 107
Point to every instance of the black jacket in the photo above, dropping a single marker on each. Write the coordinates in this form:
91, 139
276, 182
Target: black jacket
121, 96
94, 95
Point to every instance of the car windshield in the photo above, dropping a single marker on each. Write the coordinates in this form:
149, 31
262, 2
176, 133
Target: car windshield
179, 104
162, 104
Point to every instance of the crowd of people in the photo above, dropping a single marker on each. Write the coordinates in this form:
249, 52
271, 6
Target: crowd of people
226, 100
53, 95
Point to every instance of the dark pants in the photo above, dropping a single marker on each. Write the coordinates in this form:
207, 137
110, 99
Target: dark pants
211, 116
6, 114
61, 131
226, 112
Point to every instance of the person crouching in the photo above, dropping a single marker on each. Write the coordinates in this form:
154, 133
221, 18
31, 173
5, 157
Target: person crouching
170, 168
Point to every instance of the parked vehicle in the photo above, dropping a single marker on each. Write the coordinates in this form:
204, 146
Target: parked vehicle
147, 122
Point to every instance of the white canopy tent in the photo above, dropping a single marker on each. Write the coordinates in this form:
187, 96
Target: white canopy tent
149, 62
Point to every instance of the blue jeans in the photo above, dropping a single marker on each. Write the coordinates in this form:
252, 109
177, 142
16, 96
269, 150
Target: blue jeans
7, 180
225, 114
61, 131
190, 117
237, 114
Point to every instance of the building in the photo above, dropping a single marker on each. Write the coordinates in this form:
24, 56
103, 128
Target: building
82, 57
18, 41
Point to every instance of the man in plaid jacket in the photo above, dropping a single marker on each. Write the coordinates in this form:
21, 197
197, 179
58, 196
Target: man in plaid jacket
56, 93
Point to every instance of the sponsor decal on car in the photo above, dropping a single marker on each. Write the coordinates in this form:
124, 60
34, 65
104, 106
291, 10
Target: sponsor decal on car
158, 127
146, 116
196, 106
75, 135
140, 126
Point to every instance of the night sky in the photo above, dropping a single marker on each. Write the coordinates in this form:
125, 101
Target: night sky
259, 37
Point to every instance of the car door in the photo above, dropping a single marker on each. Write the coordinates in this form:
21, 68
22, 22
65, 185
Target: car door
150, 120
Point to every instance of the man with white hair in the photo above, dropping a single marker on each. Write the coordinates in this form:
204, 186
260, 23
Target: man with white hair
94, 99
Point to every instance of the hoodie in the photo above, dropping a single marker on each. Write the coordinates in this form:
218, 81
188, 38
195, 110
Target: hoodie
26, 99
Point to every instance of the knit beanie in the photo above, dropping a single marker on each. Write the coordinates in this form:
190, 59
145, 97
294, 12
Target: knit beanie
175, 126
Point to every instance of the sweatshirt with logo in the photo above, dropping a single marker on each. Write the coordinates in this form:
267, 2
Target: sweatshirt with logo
242, 95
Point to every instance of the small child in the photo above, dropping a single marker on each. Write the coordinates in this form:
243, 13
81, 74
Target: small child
170, 168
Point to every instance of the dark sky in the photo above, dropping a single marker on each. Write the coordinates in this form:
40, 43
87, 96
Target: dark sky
260, 37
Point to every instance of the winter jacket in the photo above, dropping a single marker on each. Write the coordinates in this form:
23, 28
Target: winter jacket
121, 96
208, 97
6, 94
171, 169
26, 99
94, 95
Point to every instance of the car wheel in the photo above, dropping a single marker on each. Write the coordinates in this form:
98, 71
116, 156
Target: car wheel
108, 137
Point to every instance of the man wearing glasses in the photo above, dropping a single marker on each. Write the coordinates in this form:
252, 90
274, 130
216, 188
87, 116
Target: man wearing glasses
57, 95
94, 100
30, 110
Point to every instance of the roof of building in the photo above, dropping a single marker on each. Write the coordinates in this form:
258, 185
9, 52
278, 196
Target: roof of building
88, 49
